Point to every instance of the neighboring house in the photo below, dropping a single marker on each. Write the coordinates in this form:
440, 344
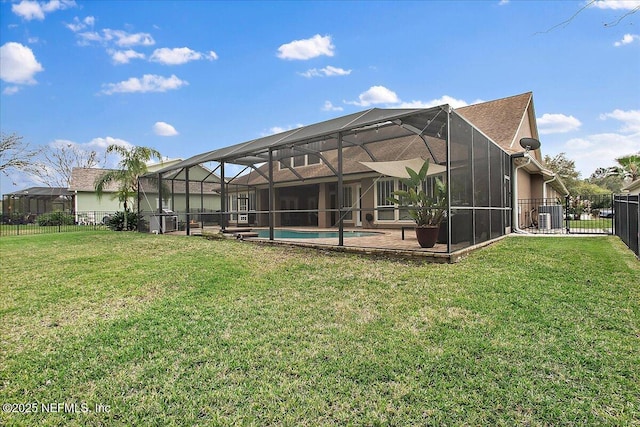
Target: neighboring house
342, 171
632, 188
25, 205
86, 200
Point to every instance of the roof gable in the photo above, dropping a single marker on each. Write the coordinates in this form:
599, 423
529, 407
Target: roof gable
83, 179
502, 119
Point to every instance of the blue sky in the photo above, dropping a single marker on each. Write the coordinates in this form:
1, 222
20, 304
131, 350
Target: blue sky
188, 77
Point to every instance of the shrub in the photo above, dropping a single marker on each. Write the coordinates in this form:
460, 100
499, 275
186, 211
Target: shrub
116, 221
56, 218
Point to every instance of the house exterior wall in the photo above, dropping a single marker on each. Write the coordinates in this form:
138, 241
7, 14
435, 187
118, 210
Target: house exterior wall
88, 202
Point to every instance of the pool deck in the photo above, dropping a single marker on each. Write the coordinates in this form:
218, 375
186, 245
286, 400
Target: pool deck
385, 243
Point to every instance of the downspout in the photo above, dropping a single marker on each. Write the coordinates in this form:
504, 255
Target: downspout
514, 192
544, 187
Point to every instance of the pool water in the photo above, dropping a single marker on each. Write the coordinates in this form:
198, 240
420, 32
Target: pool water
293, 234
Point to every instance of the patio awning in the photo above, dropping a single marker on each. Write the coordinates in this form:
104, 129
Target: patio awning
398, 168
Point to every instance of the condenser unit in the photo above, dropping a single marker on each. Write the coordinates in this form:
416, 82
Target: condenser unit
544, 221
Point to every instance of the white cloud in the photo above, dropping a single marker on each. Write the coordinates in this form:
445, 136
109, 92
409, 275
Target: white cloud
103, 143
18, 64
328, 106
124, 56
125, 39
78, 25
11, 90
327, 71
279, 129
164, 129
306, 49
118, 37
617, 4
446, 99
627, 39
148, 83
557, 123
630, 119
600, 150
503, 2
376, 95
29, 9
175, 56
212, 55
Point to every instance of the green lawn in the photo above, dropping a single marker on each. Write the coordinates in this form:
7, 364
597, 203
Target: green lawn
180, 331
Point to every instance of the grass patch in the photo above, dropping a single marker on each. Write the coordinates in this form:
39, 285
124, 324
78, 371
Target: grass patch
591, 224
184, 331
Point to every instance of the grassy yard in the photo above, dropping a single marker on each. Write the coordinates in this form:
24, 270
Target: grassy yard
163, 330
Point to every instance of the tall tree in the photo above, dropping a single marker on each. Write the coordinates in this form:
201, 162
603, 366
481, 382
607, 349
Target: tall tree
132, 165
16, 154
566, 170
58, 160
629, 166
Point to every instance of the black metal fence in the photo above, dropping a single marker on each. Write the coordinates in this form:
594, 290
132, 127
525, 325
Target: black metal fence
627, 222
591, 214
54, 222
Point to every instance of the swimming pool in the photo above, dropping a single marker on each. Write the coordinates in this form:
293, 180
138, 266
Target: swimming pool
294, 234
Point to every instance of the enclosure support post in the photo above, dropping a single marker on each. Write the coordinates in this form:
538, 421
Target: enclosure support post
340, 195
201, 205
449, 218
223, 198
186, 203
160, 230
137, 205
271, 213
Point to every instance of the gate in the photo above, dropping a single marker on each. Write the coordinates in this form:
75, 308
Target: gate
589, 214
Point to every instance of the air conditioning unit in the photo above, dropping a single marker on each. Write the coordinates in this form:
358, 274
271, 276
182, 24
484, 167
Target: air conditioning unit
544, 221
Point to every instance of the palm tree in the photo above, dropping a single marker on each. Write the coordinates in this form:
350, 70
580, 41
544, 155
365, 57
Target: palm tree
629, 166
132, 165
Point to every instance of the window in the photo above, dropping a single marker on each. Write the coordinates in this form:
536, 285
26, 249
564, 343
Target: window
347, 202
384, 208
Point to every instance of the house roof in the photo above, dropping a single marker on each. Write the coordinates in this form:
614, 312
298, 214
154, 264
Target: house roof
633, 186
83, 179
42, 191
500, 119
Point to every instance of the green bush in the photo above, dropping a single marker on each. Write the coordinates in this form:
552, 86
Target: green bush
56, 218
116, 222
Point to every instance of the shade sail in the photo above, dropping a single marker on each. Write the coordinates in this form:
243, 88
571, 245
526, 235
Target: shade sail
398, 168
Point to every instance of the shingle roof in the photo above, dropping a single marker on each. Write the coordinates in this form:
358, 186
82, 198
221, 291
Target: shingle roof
500, 119
83, 179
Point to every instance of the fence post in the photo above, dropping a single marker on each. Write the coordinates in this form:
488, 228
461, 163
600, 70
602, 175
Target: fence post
566, 213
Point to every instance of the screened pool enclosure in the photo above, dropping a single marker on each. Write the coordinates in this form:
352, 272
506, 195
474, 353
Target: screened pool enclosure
337, 175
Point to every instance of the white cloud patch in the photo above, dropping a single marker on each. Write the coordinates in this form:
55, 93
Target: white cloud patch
175, 56
627, 39
600, 150
306, 49
503, 2
79, 25
376, 95
446, 99
617, 4
125, 39
164, 129
18, 64
148, 83
124, 56
327, 71
279, 129
328, 106
212, 56
118, 37
557, 123
29, 10
11, 90
630, 119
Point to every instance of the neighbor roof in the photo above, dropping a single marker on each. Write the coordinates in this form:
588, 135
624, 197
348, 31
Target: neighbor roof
83, 179
42, 191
